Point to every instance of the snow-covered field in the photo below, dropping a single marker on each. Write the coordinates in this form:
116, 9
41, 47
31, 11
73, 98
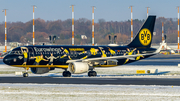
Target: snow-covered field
72, 92
61, 92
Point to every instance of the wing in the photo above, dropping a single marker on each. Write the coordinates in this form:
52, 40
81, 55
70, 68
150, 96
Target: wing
113, 58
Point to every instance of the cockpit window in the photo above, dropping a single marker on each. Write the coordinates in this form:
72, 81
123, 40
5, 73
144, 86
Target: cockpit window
16, 51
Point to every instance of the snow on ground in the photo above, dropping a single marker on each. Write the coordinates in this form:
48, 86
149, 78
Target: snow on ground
130, 69
69, 92
61, 92
173, 71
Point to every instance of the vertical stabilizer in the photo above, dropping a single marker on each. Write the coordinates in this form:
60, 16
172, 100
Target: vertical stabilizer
143, 39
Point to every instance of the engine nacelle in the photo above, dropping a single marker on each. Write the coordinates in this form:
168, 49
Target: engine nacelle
41, 70
78, 67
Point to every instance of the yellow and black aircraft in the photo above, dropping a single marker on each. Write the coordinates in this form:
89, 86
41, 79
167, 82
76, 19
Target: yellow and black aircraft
81, 59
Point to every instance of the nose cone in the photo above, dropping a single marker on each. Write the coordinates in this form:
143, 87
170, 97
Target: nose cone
13, 60
8, 59
5, 59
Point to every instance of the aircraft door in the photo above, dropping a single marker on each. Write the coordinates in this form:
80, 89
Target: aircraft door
30, 54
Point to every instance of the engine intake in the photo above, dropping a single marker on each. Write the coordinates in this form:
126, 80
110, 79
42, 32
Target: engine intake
78, 67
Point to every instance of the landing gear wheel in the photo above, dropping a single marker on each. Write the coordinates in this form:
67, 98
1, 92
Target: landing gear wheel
92, 73
25, 75
66, 74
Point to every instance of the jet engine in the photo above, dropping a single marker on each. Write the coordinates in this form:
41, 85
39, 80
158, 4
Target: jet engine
41, 70
78, 67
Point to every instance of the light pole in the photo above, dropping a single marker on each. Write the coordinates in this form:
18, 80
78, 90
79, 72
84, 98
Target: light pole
147, 11
162, 31
178, 28
131, 23
33, 25
4, 10
93, 7
72, 24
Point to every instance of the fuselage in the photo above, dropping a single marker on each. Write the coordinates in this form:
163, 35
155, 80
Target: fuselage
56, 56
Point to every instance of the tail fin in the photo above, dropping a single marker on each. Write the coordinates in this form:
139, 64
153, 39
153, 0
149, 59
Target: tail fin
144, 37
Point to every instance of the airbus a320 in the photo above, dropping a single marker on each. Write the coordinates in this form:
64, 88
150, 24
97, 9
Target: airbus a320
80, 59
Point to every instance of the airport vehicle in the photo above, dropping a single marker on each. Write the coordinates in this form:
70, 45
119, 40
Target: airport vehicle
80, 59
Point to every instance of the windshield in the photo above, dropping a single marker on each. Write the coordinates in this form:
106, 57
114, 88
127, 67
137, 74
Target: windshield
16, 51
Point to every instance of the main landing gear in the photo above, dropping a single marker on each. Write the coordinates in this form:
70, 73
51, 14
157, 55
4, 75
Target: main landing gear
92, 73
66, 73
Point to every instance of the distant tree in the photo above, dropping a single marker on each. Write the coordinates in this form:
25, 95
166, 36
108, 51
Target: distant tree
22, 32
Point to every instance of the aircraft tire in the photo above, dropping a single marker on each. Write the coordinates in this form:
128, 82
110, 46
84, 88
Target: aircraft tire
66, 74
92, 73
25, 75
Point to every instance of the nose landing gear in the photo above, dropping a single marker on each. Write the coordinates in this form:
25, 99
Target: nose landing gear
26, 73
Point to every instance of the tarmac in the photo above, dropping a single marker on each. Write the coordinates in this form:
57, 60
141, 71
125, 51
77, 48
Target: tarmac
93, 81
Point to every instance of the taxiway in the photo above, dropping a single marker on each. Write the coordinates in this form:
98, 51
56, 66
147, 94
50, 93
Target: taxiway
93, 80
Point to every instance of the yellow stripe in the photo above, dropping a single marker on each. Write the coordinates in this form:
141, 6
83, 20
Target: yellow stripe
105, 65
48, 66
58, 66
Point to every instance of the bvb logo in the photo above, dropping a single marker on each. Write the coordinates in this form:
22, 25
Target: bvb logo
145, 37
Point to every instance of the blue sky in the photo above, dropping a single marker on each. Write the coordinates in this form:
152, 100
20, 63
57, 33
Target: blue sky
110, 10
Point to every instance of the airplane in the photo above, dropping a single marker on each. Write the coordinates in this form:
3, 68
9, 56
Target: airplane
80, 59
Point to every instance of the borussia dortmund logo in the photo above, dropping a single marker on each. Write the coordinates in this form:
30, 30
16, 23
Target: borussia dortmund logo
145, 37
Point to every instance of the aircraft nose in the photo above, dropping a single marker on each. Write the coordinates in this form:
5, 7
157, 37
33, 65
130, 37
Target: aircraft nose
13, 59
7, 59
